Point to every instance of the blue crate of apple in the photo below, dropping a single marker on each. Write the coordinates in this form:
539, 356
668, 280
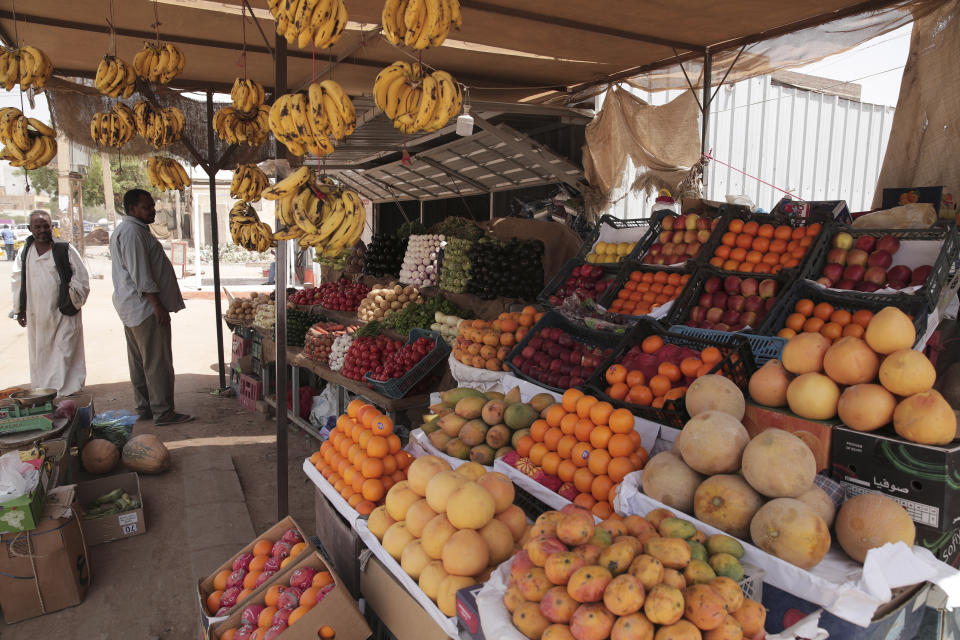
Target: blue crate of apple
342, 295
366, 353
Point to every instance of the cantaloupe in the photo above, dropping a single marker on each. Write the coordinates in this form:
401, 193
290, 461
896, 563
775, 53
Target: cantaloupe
99, 456
925, 418
778, 464
851, 361
818, 500
667, 479
870, 520
714, 393
890, 330
792, 531
804, 353
907, 372
712, 442
866, 407
728, 503
146, 453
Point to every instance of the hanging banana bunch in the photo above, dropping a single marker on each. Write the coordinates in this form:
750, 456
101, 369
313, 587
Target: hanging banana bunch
247, 230
416, 101
420, 24
28, 142
307, 122
248, 183
304, 21
329, 224
158, 62
160, 126
113, 129
115, 77
167, 174
246, 121
27, 65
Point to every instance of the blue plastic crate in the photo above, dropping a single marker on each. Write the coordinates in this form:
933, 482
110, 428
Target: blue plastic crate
763, 348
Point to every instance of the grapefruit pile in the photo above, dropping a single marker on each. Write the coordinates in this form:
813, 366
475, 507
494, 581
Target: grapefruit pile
363, 457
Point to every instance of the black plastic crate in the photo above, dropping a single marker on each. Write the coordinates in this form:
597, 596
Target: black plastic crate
930, 292
532, 506
691, 293
737, 364
645, 228
913, 306
398, 387
775, 219
628, 268
590, 337
610, 273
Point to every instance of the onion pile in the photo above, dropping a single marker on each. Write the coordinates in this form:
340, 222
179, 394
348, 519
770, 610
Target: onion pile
420, 263
384, 300
455, 271
447, 326
338, 351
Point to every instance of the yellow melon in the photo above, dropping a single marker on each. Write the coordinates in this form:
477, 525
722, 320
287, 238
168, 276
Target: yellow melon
870, 520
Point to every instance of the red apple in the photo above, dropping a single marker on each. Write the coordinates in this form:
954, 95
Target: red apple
869, 287
843, 240
753, 303
665, 236
854, 272
692, 220
731, 284
837, 256
703, 235
677, 236
667, 223
827, 282
845, 284
748, 318
858, 256
680, 222
730, 317
880, 258
703, 223
693, 248
722, 326
768, 288
921, 274
680, 250
888, 243
735, 302
876, 275
712, 284
833, 271
656, 248
697, 314
768, 304
897, 284
865, 243
690, 235
719, 299
668, 249
714, 314
749, 287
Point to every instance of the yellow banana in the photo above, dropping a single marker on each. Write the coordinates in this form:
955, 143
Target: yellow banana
290, 184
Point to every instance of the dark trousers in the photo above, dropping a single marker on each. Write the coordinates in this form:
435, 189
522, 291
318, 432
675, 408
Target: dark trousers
150, 357
11, 254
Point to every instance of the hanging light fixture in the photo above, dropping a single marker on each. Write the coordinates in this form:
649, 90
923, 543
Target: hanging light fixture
465, 120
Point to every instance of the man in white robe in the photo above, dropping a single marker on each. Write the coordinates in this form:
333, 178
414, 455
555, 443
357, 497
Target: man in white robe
54, 339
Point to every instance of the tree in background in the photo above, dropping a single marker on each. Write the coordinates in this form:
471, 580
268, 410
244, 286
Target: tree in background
128, 173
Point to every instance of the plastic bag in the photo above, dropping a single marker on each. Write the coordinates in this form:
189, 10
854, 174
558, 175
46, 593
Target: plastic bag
114, 426
323, 406
17, 478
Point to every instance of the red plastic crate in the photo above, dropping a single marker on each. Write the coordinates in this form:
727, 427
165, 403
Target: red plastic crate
250, 390
241, 347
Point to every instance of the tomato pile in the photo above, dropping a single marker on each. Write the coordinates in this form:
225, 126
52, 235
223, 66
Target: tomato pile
399, 362
342, 295
368, 353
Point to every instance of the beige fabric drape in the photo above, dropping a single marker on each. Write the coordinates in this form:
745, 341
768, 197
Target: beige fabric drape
925, 136
662, 141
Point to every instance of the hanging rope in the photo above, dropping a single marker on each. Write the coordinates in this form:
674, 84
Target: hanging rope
156, 17
243, 36
752, 177
113, 29
16, 36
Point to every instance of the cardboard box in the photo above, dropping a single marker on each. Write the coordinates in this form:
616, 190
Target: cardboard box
116, 526
468, 614
899, 618
817, 434
396, 608
945, 545
24, 513
922, 478
44, 570
340, 541
205, 585
338, 609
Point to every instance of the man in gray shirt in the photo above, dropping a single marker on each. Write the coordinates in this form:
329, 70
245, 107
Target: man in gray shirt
145, 293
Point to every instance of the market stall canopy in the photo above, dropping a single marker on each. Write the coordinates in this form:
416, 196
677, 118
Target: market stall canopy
535, 50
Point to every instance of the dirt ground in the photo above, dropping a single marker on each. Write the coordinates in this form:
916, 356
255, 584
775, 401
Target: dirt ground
144, 587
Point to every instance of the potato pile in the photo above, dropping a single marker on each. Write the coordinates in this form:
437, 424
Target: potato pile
243, 310
385, 299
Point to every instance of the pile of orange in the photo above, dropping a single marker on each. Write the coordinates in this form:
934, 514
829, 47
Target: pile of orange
362, 458
644, 291
751, 247
587, 443
632, 386
271, 600
262, 550
825, 319
485, 344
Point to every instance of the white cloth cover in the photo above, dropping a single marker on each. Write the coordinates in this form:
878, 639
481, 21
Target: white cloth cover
54, 341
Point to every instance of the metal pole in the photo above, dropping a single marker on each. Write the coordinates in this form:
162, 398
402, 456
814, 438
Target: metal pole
215, 240
280, 86
705, 132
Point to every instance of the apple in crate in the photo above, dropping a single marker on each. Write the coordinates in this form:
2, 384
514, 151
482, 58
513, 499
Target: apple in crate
875, 275
888, 243
880, 258
837, 256
843, 240
921, 274
899, 276
857, 257
865, 243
